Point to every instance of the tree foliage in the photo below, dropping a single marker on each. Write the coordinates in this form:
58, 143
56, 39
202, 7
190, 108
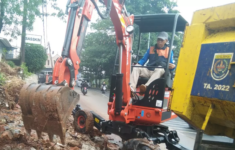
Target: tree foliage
11, 14
138, 7
99, 54
26, 73
11, 63
35, 57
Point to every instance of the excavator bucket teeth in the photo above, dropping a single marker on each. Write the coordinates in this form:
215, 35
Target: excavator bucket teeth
46, 108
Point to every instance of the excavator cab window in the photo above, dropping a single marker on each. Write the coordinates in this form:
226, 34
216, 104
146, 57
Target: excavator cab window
153, 24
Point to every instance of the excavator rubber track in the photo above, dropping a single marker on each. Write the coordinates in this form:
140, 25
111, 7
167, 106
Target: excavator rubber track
46, 108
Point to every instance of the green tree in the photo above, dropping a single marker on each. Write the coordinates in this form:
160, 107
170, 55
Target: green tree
11, 63
138, 7
98, 55
11, 14
35, 57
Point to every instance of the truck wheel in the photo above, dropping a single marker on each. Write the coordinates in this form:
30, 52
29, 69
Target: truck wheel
83, 121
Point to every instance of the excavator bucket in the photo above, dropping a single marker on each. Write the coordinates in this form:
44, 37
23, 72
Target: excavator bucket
45, 108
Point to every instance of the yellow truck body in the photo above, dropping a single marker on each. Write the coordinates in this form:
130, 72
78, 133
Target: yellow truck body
204, 85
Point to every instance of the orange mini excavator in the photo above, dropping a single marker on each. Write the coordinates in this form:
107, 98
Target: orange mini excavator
45, 108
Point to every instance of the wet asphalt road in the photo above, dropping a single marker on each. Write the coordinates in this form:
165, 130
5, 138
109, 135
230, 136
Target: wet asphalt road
98, 102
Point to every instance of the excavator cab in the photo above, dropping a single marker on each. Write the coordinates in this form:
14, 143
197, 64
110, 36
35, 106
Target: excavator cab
171, 23
158, 92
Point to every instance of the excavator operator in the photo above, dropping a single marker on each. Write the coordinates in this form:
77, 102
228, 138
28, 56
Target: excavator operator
157, 56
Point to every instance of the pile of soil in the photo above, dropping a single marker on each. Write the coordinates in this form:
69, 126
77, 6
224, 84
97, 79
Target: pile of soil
9, 92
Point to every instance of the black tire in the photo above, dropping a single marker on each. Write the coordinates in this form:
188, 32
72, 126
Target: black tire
83, 121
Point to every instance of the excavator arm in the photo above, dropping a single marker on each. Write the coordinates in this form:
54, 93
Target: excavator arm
66, 67
45, 108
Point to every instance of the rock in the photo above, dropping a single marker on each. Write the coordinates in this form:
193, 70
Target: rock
17, 106
32, 148
11, 105
2, 129
21, 124
89, 147
119, 143
111, 146
49, 144
17, 133
85, 137
6, 136
95, 132
101, 141
6, 147
6, 118
19, 147
2, 121
56, 147
9, 126
73, 143
75, 135
74, 148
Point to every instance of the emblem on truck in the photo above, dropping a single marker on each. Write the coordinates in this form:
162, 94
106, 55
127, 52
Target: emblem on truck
219, 69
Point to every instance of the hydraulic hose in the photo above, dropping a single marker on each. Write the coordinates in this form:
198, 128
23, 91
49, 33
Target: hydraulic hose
108, 9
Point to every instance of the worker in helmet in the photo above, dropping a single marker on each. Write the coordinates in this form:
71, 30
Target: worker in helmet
157, 56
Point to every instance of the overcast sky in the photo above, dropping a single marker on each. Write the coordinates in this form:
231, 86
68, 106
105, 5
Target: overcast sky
56, 28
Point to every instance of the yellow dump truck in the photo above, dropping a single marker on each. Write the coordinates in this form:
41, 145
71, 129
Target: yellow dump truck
204, 86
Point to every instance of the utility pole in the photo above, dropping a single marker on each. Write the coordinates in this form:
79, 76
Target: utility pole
23, 35
52, 64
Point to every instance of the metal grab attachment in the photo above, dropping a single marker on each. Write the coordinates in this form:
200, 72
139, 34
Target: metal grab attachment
45, 108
